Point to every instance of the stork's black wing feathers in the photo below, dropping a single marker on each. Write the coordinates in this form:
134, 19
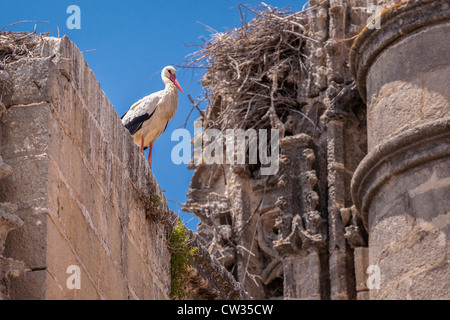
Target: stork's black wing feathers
135, 124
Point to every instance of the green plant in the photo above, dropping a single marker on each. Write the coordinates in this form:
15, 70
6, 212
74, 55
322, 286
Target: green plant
182, 257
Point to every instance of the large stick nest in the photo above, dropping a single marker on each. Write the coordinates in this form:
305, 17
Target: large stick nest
254, 72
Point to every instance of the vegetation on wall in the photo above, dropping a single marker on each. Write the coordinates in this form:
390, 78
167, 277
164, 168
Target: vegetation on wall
182, 257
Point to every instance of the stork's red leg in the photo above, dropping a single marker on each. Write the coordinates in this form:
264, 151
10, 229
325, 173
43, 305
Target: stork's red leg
142, 146
150, 155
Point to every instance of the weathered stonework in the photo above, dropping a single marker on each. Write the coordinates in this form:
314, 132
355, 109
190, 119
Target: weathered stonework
402, 186
302, 231
366, 185
210, 280
10, 269
286, 235
76, 179
83, 195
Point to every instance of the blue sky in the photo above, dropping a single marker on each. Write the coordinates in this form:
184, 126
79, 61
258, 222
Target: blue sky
133, 41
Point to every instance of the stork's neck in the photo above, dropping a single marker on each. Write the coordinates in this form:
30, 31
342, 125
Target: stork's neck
170, 87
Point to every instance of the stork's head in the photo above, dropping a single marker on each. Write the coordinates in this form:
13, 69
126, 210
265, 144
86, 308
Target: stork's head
169, 74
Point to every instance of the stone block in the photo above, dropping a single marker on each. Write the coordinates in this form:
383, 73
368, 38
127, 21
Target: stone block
420, 250
112, 229
137, 271
30, 286
363, 295
306, 284
25, 128
32, 82
10, 272
8, 222
27, 186
361, 257
388, 114
432, 284
60, 256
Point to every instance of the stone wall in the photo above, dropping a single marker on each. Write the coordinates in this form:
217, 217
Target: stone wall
77, 181
84, 197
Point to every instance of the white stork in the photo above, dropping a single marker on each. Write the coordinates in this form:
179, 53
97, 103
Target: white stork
148, 118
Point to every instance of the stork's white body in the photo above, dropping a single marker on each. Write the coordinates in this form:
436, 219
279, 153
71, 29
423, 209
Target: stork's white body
162, 105
148, 118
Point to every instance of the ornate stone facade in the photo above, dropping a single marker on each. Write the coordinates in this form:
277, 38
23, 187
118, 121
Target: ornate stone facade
361, 184
284, 236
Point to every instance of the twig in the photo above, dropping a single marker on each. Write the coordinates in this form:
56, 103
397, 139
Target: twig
23, 21
90, 50
307, 118
195, 104
254, 233
258, 208
187, 119
207, 27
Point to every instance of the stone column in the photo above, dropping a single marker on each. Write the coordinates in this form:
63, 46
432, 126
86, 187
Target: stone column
402, 187
302, 230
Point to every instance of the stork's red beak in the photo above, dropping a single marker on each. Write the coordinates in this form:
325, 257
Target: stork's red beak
173, 78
